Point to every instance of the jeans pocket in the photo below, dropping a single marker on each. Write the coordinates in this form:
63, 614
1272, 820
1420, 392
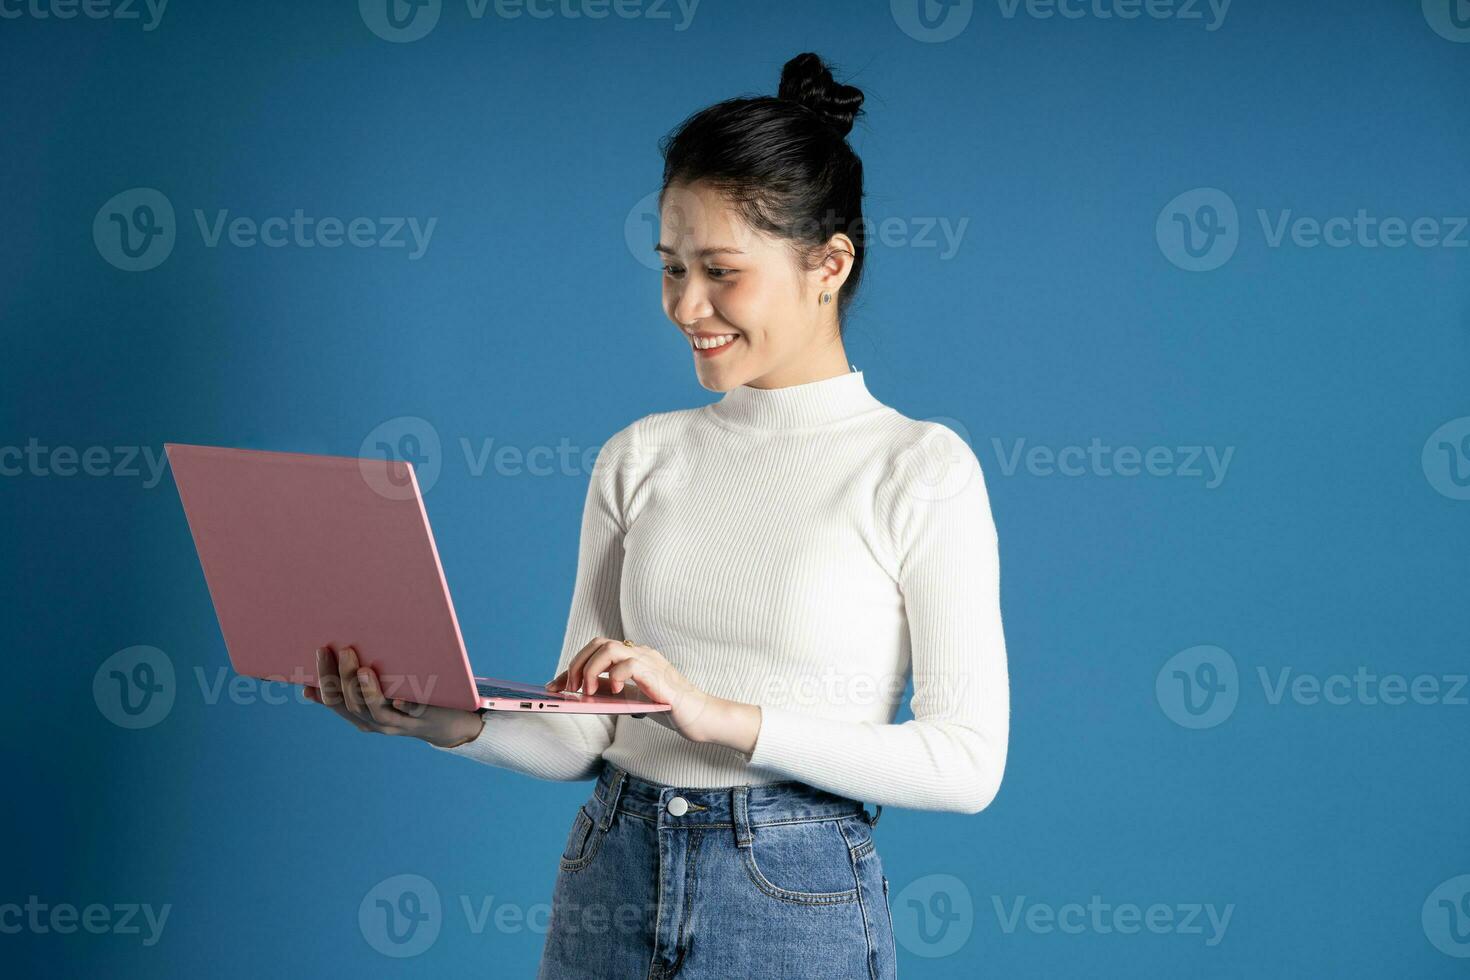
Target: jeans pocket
583, 842
859, 834
806, 863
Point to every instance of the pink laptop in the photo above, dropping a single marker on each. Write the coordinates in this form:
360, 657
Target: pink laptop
305, 551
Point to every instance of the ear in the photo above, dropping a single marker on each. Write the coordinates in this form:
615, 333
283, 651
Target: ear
838, 256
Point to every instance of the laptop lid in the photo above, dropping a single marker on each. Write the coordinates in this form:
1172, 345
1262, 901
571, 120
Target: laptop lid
302, 551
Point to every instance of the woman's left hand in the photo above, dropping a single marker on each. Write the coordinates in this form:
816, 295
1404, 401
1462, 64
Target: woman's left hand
698, 716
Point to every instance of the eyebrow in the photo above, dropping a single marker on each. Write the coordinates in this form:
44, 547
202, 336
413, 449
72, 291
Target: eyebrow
704, 252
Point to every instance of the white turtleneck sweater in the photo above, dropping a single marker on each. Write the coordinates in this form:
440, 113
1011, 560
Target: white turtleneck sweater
800, 549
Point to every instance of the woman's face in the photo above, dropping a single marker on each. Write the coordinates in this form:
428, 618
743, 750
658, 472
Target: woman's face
744, 294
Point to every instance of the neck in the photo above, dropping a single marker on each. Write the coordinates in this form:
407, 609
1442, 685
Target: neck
797, 406
823, 361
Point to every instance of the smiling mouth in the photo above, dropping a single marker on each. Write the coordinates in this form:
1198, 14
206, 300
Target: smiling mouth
707, 343
713, 346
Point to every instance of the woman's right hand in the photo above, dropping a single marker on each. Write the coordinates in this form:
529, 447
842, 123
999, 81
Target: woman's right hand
353, 692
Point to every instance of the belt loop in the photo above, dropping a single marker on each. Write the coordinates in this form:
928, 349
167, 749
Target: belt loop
874, 821
740, 814
614, 792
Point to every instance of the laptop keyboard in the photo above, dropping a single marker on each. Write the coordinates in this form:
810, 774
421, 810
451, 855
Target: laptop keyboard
496, 691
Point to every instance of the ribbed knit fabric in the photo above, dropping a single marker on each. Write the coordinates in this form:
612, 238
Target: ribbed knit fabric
801, 549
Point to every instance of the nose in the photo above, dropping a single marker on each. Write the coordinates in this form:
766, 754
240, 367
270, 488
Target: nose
690, 304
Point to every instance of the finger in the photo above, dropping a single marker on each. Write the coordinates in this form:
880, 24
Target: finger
613, 654
571, 678
577, 669
411, 708
340, 710
378, 707
620, 674
326, 671
646, 678
351, 686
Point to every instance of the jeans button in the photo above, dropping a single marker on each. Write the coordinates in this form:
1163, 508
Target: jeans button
678, 806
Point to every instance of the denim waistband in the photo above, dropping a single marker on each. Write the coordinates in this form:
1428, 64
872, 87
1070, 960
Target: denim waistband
787, 801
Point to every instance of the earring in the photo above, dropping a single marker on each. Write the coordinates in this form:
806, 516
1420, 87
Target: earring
826, 298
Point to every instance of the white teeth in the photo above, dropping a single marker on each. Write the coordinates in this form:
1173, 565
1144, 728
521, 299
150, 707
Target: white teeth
705, 343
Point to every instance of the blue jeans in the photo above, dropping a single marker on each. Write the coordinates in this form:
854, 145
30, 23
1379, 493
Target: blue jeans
778, 881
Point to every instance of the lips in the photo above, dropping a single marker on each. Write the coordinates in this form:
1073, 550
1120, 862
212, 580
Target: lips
715, 351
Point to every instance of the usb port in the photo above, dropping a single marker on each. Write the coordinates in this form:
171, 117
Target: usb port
525, 704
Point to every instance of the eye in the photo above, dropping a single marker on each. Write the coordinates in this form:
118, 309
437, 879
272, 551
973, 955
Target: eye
715, 272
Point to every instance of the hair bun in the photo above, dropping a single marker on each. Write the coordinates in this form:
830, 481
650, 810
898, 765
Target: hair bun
806, 79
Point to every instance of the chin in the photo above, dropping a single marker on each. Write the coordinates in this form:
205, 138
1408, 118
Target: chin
719, 387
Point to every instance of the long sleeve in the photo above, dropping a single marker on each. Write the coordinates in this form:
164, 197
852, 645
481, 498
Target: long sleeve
935, 511
570, 747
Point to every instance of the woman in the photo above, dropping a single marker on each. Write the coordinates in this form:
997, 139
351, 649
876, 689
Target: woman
782, 557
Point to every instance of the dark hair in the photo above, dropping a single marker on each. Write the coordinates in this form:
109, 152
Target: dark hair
782, 162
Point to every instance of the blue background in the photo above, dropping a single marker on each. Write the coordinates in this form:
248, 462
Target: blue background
529, 319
